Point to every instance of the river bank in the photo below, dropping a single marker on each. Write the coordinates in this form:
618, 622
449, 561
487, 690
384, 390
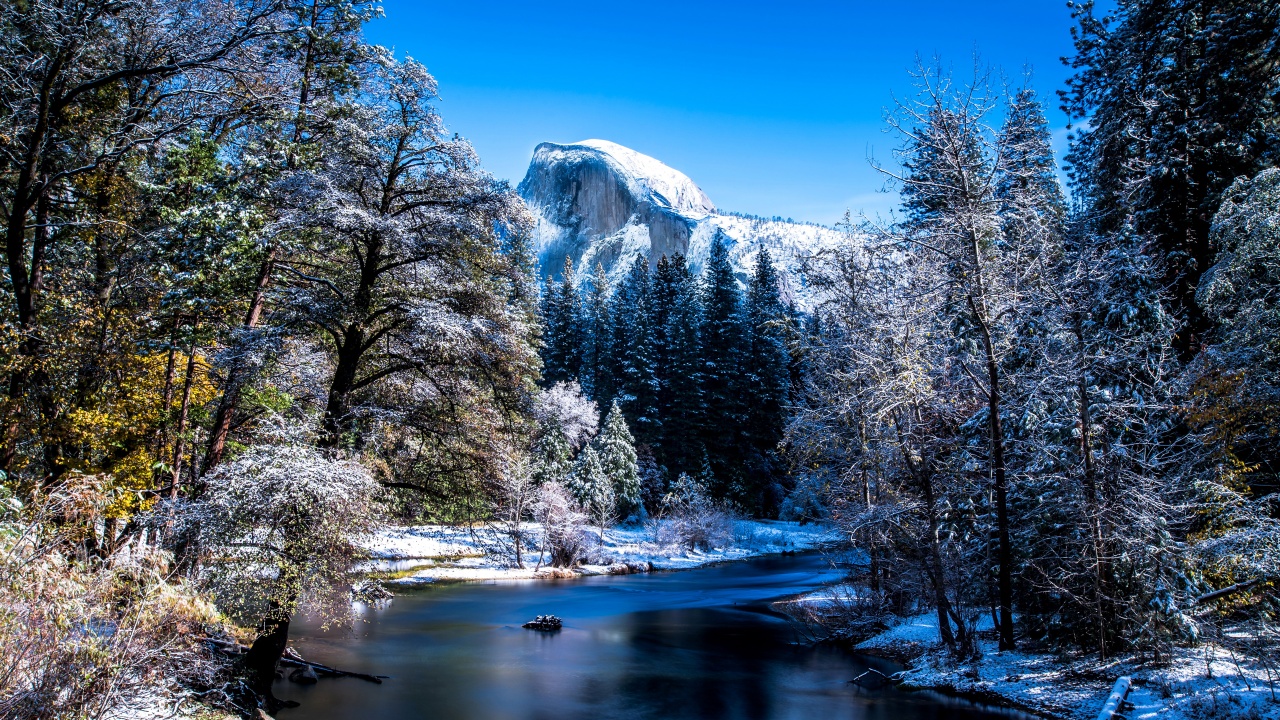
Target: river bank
1200, 683
424, 554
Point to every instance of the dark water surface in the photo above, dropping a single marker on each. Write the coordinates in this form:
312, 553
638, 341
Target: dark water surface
693, 644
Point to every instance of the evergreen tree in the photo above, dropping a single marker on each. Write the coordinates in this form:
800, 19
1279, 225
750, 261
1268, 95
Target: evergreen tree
1181, 98
674, 316
591, 488
632, 356
722, 349
562, 340
597, 339
617, 452
767, 372
553, 457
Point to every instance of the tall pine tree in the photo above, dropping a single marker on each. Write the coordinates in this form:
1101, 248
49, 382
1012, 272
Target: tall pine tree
675, 316
767, 373
722, 350
617, 452
632, 356
597, 338
562, 340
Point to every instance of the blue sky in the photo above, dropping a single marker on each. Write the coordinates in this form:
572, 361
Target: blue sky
772, 108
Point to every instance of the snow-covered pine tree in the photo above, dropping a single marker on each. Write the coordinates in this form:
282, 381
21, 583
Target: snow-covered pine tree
591, 488
632, 354
1180, 98
562, 340
553, 458
675, 316
597, 339
617, 452
767, 372
721, 340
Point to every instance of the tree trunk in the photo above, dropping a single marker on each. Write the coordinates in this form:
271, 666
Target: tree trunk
1005, 552
1005, 557
1093, 506
235, 377
264, 653
179, 438
336, 409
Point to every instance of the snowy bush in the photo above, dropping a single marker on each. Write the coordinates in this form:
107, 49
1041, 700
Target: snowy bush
690, 519
90, 639
564, 538
279, 527
805, 502
562, 407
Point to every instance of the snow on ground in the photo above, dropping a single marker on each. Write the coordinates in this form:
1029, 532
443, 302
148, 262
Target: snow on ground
430, 553
1076, 688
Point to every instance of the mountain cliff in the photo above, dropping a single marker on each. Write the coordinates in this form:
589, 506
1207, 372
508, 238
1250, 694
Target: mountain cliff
598, 202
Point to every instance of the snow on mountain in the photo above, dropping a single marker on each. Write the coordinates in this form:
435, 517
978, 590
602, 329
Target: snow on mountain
599, 202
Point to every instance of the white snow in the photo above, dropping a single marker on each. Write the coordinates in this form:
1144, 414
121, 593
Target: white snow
1076, 687
667, 186
431, 553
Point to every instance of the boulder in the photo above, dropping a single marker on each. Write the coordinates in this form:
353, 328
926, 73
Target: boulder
304, 676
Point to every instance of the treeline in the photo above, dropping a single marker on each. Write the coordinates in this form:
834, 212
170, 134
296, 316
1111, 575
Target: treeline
701, 370
256, 296
1062, 415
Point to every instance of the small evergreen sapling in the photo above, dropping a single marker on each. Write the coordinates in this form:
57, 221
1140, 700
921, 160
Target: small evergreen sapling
591, 488
617, 453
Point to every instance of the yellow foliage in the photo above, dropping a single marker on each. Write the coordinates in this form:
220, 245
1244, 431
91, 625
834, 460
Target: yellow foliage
121, 428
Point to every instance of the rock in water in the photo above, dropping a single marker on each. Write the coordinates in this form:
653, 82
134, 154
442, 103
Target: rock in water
545, 623
304, 676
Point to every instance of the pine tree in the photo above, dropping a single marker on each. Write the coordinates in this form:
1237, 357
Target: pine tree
767, 372
1181, 98
617, 452
562, 341
632, 356
553, 459
721, 336
597, 339
591, 488
674, 316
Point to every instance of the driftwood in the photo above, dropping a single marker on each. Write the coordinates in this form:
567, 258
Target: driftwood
872, 679
294, 660
1226, 591
1115, 701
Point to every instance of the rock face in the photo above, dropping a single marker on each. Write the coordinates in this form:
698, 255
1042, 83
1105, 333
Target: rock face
598, 202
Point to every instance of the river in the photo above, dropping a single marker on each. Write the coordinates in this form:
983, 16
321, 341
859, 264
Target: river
693, 644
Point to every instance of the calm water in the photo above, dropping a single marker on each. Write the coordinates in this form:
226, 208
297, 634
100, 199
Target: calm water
695, 644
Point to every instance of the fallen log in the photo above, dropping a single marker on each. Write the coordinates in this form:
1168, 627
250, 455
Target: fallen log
296, 661
1115, 701
1228, 590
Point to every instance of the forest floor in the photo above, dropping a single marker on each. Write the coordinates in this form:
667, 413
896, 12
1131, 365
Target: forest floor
1200, 683
439, 553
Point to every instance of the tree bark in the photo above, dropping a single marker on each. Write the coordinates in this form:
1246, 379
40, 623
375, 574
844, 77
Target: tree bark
235, 377
265, 652
179, 438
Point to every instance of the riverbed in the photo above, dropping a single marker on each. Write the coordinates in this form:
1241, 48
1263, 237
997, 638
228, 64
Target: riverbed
693, 644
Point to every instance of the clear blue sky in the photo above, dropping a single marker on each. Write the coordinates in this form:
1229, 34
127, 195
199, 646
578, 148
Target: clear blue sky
772, 108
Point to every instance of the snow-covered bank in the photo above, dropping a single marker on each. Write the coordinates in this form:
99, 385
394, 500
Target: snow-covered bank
1195, 684
430, 553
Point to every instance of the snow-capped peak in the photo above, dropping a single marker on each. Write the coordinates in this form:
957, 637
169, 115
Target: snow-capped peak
668, 186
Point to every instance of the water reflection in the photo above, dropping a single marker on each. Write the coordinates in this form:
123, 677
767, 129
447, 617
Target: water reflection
697, 644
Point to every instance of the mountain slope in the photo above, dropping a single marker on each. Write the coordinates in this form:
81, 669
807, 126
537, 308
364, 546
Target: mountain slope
598, 202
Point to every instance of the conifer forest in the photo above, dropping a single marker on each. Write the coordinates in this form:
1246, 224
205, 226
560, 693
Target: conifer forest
285, 369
